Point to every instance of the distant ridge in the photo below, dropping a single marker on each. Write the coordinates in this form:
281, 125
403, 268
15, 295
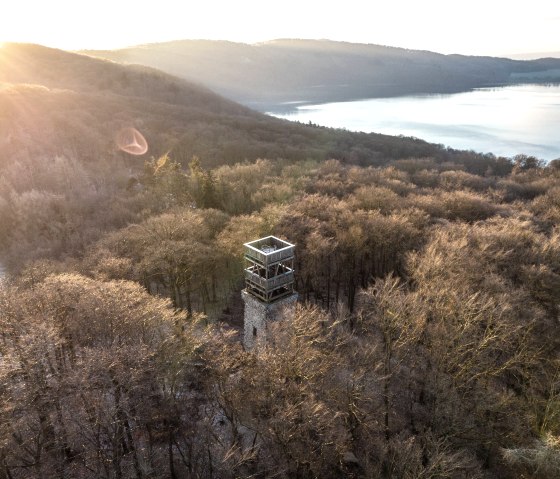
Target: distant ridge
534, 55
279, 71
53, 103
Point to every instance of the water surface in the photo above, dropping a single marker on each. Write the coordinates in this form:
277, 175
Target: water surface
505, 120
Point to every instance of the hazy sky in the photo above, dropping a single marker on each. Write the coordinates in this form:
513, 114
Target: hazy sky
485, 27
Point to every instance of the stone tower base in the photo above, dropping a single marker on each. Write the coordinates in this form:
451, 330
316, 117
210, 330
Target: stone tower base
258, 314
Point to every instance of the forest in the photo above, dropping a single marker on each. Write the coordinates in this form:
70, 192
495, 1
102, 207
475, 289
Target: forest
424, 345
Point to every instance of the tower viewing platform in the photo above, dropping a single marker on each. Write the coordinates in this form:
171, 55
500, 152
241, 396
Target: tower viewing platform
269, 268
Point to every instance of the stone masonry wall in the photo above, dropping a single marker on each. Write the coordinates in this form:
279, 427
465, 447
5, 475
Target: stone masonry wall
258, 314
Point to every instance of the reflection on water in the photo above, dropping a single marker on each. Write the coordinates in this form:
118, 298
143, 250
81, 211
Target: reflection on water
504, 121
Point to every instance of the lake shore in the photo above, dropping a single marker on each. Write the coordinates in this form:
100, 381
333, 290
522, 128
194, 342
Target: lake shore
504, 121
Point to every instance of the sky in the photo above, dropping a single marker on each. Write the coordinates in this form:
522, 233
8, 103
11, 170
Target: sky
475, 27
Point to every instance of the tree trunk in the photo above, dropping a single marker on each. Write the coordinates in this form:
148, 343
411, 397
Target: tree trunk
132, 445
214, 283
172, 473
386, 388
328, 285
188, 298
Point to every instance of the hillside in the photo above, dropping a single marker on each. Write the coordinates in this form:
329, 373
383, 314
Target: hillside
60, 114
267, 74
55, 102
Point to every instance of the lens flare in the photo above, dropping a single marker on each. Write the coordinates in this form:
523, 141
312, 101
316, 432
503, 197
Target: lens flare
131, 141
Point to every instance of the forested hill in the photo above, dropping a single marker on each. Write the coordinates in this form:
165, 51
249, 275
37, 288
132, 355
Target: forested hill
52, 101
279, 71
53, 68
429, 283
58, 103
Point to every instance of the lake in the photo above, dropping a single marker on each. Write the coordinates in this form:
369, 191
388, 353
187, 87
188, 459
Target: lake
504, 120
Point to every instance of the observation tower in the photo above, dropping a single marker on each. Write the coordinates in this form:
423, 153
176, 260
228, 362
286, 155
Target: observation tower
269, 286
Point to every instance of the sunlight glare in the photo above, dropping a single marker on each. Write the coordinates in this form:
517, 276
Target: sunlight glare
131, 141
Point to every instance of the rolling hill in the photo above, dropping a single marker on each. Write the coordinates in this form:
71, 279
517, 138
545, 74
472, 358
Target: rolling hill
54, 102
267, 74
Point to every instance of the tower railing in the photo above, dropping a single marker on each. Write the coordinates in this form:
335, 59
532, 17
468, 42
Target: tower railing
269, 283
269, 268
269, 250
